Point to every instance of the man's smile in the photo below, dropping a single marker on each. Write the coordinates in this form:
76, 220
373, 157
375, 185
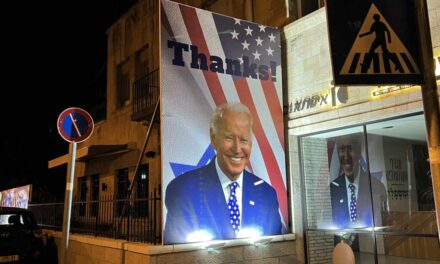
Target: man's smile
235, 159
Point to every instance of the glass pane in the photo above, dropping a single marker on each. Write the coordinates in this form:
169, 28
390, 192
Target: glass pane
408, 250
337, 185
398, 156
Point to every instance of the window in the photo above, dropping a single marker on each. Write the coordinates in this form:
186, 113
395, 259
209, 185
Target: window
141, 205
370, 186
94, 194
122, 84
123, 184
141, 63
82, 195
122, 190
142, 181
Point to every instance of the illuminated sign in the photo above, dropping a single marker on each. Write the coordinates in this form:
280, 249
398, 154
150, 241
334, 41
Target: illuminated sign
331, 98
209, 60
390, 89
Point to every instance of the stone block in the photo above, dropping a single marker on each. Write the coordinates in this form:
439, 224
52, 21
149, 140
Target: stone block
266, 261
131, 257
112, 255
97, 252
289, 260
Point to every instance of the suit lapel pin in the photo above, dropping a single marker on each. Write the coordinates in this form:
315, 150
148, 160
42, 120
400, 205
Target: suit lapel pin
258, 182
341, 201
251, 202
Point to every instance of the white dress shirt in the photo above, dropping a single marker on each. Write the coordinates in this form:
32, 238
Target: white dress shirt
225, 181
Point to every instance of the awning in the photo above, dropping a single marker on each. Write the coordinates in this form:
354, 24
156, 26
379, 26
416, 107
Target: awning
91, 152
99, 151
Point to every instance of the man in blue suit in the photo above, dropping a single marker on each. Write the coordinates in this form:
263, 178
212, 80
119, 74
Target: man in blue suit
222, 200
350, 192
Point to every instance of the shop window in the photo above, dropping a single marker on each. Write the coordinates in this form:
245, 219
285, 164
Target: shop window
331, 162
399, 156
365, 182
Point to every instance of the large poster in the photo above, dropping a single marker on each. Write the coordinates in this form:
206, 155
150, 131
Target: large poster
16, 197
217, 64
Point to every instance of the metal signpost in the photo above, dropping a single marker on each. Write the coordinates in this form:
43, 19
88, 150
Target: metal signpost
430, 103
74, 125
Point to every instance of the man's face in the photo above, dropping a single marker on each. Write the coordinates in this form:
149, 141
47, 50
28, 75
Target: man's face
233, 143
348, 156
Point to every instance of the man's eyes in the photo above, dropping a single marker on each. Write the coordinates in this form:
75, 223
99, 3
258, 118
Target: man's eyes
242, 140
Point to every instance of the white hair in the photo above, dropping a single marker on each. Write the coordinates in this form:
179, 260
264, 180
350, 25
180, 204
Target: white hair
235, 107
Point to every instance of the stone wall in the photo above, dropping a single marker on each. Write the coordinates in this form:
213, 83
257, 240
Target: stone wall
317, 190
97, 250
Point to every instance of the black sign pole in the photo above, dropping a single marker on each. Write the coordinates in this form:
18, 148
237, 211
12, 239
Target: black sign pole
430, 102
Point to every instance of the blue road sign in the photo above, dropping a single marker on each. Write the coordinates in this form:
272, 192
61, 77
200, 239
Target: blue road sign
75, 124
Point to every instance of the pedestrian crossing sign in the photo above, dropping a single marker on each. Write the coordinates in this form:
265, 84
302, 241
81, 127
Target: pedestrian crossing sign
378, 50
379, 43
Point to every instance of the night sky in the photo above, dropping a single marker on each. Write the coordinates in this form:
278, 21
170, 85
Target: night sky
57, 59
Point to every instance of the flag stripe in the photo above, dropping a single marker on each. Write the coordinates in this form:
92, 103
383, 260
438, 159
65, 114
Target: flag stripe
263, 112
175, 18
196, 35
275, 176
275, 108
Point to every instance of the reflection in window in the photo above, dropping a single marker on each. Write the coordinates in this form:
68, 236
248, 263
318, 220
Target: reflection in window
350, 191
336, 180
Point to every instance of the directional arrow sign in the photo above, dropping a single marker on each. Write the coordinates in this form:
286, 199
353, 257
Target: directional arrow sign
75, 124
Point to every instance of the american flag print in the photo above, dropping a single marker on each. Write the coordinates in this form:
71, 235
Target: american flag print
209, 59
